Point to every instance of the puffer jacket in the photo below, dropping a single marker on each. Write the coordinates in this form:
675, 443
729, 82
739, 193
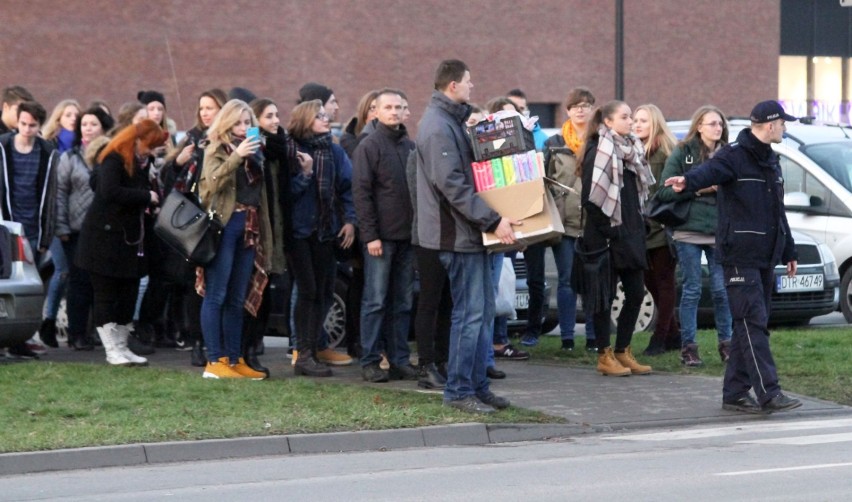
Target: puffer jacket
73, 193
702, 210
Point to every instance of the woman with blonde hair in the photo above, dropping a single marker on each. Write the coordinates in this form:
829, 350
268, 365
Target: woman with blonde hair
320, 193
59, 127
650, 127
112, 239
708, 132
355, 131
232, 186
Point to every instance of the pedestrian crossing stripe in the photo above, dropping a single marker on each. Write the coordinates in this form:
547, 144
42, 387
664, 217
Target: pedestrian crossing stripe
734, 430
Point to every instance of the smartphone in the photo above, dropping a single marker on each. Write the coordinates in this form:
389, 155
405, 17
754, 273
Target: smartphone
253, 134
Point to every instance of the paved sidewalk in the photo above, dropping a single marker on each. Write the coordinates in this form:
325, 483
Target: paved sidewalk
589, 402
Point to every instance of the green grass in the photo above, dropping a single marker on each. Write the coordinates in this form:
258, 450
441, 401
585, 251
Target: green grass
815, 362
49, 406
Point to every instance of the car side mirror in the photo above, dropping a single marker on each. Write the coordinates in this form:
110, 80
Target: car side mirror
804, 203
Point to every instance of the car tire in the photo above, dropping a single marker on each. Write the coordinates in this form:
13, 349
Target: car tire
647, 312
846, 294
335, 320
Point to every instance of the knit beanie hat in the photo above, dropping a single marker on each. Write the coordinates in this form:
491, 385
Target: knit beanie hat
146, 97
313, 90
242, 94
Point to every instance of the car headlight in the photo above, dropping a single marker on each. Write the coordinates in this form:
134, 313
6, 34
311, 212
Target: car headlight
829, 262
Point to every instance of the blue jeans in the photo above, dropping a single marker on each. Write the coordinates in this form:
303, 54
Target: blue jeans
56, 287
226, 282
388, 294
500, 331
471, 329
689, 256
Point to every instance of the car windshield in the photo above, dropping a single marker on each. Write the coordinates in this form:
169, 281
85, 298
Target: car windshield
835, 158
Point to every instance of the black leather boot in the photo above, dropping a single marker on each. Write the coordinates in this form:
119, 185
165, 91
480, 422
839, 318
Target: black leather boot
80, 343
307, 365
430, 378
250, 353
47, 333
197, 357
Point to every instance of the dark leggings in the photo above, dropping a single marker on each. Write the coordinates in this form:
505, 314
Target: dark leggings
114, 299
434, 308
634, 291
660, 281
80, 294
313, 267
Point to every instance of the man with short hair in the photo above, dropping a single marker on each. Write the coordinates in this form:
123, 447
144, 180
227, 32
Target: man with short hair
753, 236
451, 219
27, 164
519, 97
314, 90
12, 97
383, 208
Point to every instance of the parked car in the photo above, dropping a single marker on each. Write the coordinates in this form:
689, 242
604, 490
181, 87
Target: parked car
21, 288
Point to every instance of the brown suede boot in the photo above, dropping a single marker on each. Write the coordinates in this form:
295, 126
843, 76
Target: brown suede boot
608, 365
628, 361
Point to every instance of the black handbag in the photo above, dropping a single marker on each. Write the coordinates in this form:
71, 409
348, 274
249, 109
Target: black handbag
670, 213
592, 276
188, 229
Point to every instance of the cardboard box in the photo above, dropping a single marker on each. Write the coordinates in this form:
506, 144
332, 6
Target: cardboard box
529, 202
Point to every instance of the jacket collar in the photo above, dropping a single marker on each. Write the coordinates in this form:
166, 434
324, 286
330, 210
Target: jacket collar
760, 150
394, 134
459, 111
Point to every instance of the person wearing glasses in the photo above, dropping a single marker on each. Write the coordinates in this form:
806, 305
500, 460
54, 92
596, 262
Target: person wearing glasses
753, 237
708, 133
320, 192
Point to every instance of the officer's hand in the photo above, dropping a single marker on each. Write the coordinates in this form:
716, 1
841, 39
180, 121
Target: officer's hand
375, 247
504, 230
792, 266
678, 183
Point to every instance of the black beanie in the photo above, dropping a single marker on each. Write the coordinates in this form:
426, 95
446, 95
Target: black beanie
313, 90
242, 94
146, 97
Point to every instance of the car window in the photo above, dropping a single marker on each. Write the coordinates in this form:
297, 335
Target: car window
835, 159
798, 179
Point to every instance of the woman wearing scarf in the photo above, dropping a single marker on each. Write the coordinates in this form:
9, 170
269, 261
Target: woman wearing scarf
319, 191
232, 185
708, 132
616, 178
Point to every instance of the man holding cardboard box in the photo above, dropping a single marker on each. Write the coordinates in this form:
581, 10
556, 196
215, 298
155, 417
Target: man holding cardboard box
451, 219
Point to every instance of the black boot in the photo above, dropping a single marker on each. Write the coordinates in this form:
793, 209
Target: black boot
673, 343
430, 378
47, 333
140, 340
197, 357
307, 365
656, 347
79, 342
250, 353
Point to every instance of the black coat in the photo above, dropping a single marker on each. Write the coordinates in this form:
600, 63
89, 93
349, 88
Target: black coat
627, 241
112, 232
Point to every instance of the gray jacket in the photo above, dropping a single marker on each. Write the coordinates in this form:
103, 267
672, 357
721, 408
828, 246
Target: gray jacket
73, 193
450, 216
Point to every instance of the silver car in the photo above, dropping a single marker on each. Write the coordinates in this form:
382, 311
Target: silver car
21, 289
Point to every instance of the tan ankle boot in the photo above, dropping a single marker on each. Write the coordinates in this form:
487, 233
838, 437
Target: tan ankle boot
628, 361
608, 365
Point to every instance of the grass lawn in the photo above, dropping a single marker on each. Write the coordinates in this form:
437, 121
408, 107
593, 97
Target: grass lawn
815, 362
49, 406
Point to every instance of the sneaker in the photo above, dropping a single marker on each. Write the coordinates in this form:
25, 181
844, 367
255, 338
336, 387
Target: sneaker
745, 404
780, 403
568, 345
725, 350
220, 369
35, 347
372, 373
511, 353
404, 372
689, 356
183, 342
591, 345
529, 340
20, 351
245, 370
330, 356
469, 404
493, 400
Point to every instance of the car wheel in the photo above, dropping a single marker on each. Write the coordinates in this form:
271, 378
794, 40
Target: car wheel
846, 294
647, 312
335, 321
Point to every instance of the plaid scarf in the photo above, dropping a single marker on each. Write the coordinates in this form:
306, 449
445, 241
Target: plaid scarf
324, 172
613, 155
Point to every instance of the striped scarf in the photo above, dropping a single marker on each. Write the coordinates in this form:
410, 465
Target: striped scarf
613, 155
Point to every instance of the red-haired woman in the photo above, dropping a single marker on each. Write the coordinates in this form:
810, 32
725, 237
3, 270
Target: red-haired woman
112, 237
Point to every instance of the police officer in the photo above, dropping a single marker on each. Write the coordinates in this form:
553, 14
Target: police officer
753, 236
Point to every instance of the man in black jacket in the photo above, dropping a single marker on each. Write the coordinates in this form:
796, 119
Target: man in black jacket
12, 97
383, 207
753, 237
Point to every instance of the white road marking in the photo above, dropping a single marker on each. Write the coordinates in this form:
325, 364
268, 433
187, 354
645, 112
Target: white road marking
735, 430
805, 440
784, 469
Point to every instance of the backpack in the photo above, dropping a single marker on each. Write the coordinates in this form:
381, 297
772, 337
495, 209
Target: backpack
561, 167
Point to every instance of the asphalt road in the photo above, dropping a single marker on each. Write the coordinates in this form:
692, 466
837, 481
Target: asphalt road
775, 460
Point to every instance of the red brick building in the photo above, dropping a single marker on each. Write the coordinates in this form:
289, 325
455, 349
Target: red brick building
678, 54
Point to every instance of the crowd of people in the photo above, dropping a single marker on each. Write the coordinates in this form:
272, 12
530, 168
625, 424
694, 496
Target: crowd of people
296, 200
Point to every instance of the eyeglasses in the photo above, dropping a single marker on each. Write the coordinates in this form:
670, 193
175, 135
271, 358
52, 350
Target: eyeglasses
581, 106
322, 116
714, 124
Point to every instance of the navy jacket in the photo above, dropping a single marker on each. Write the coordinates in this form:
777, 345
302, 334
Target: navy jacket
752, 226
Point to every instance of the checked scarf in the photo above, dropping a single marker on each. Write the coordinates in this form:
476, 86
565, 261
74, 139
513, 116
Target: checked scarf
613, 155
324, 172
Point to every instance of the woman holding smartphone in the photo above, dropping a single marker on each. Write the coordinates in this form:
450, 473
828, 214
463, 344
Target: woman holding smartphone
232, 185
320, 192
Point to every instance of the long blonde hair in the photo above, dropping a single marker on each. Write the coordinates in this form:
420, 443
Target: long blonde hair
219, 132
660, 137
51, 127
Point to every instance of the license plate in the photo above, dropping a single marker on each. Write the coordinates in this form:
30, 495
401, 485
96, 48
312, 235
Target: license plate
795, 284
3, 313
522, 300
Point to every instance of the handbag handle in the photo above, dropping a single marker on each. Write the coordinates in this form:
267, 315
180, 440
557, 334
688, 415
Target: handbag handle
188, 223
